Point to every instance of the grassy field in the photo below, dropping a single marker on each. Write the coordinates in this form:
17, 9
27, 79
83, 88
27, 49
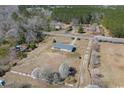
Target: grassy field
112, 64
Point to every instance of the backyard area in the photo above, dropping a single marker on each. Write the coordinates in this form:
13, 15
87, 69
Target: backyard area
45, 57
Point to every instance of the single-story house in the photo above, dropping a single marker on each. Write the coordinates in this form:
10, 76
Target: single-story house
55, 25
64, 47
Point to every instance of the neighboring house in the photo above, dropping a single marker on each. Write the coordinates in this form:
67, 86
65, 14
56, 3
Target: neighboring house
56, 25
64, 47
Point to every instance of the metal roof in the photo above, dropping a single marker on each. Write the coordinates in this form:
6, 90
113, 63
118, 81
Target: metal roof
63, 46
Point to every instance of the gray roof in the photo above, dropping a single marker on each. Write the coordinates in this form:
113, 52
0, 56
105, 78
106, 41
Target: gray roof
63, 46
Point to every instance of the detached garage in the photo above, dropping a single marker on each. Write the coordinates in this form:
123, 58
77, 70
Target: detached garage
64, 47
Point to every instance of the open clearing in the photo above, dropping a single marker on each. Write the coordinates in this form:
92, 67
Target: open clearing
112, 64
45, 57
20, 80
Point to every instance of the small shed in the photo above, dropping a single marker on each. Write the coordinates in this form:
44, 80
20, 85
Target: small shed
64, 47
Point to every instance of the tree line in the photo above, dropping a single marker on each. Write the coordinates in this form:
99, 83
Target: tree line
109, 16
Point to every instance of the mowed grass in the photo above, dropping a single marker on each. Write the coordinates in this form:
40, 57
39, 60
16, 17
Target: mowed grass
4, 49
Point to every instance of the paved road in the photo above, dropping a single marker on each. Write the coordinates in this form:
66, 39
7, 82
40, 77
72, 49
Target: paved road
98, 37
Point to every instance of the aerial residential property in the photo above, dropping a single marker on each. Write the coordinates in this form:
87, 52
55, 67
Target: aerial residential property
68, 46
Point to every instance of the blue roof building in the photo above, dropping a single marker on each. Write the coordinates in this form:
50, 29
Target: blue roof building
64, 47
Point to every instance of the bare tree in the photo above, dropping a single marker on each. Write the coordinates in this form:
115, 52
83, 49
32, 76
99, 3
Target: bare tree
42, 74
64, 70
46, 75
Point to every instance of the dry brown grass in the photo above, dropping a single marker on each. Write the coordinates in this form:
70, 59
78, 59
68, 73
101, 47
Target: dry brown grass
21, 80
112, 64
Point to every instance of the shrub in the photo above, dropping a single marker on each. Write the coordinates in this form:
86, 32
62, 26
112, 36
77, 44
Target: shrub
4, 42
32, 46
2, 72
4, 69
70, 80
46, 75
69, 29
96, 47
22, 38
54, 41
18, 85
72, 38
78, 39
14, 63
80, 29
43, 74
25, 86
72, 71
39, 36
21, 55
64, 70
15, 16
56, 77
4, 49
118, 32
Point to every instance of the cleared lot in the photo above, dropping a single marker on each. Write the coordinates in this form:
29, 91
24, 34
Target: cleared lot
45, 57
112, 64
14, 80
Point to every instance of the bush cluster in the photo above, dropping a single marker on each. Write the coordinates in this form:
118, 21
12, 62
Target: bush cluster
54, 77
21, 54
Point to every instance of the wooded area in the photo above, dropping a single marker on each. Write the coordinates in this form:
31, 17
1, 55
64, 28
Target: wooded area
109, 16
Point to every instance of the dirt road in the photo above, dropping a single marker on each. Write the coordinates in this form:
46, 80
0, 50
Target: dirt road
84, 78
